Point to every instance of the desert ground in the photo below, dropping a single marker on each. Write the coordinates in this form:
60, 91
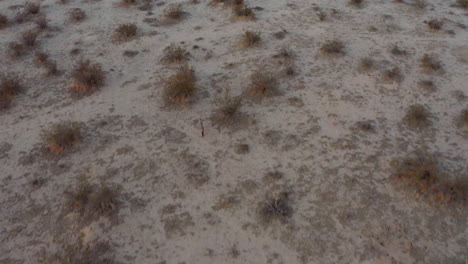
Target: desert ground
228, 131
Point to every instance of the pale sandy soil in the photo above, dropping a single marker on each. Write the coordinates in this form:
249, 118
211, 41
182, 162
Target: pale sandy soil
185, 198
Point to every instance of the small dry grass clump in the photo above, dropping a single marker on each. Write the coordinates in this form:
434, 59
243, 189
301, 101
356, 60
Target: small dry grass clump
333, 48
41, 57
357, 3
128, 2
425, 178
262, 84
397, 51
32, 8
462, 3
29, 38
276, 209
417, 117
76, 15
125, 32
421, 4
430, 63
243, 12
174, 11
62, 137
42, 22
16, 50
393, 74
81, 253
228, 114
92, 201
435, 24
462, 120
10, 87
3, 21
87, 77
180, 87
175, 54
250, 39
428, 85
366, 64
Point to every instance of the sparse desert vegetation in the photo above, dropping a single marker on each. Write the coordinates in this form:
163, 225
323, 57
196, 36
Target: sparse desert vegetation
175, 54
88, 77
125, 32
250, 39
76, 15
62, 136
417, 117
10, 86
190, 131
333, 48
262, 84
424, 176
180, 88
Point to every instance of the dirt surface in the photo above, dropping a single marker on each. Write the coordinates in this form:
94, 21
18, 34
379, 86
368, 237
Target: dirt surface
303, 175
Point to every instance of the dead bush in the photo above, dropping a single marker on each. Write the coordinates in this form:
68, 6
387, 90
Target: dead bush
175, 54
180, 88
125, 32
76, 15
430, 63
262, 84
87, 77
417, 117
62, 136
10, 86
332, 48
275, 209
250, 39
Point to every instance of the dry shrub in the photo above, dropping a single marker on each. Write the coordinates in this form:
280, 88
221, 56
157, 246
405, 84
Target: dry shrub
417, 117
421, 4
393, 74
175, 54
41, 57
228, 114
92, 201
128, 2
29, 38
322, 15
16, 50
62, 137
425, 178
428, 85
94, 252
10, 87
262, 84
3, 21
87, 77
462, 120
366, 64
125, 31
430, 63
333, 48
174, 11
242, 11
435, 24
42, 22
397, 51
51, 67
356, 2
76, 15
32, 8
180, 87
250, 39
275, 209
462, 3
